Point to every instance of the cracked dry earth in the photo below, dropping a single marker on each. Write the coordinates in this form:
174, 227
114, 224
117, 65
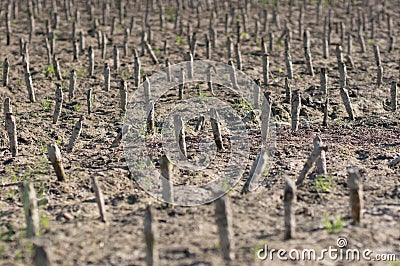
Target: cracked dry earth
188, 235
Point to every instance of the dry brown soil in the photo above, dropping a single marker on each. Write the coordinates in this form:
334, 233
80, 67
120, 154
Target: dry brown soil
188, 235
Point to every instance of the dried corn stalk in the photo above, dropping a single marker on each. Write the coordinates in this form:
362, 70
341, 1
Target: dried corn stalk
76, 132
310, 161
179, 128
72, 84
150, 117
347, 103
393, 96
265, 61
123, 95
216, 128
354, 182
31, 210
6, 71
289, 200
321, 161
99, 199
167, 185
151, 238
223, 217
58, 104
296, 107
56, 161
11, 128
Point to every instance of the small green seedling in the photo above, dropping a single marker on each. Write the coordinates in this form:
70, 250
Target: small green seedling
49, 70
47, 104
324, 183
77, 107
333, 226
